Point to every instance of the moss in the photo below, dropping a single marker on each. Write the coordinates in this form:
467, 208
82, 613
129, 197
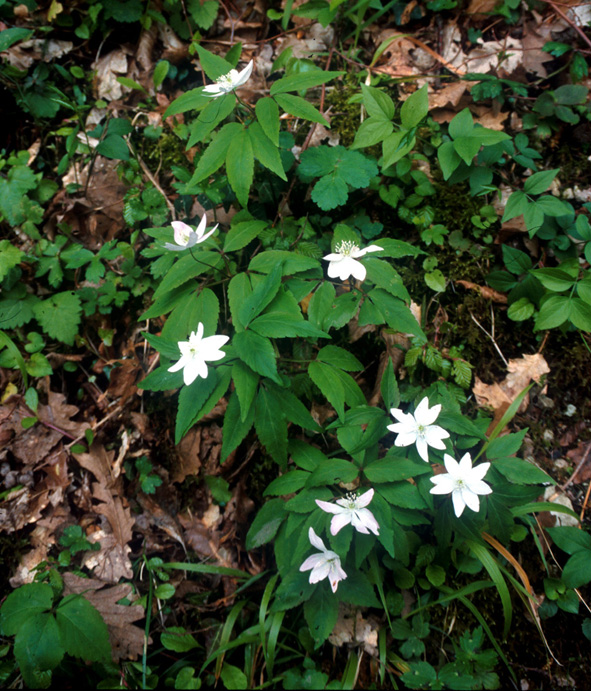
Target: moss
344, 116
166, 151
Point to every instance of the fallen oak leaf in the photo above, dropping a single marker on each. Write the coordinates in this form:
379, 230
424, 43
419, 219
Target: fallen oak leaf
127, 641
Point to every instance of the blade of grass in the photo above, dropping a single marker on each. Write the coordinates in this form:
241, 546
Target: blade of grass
490, 564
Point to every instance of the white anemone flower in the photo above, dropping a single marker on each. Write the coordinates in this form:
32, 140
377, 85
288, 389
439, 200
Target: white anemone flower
343, 261
326, 564
351, 509
195, 352
228, 82
186, 237
463, 482
419, 428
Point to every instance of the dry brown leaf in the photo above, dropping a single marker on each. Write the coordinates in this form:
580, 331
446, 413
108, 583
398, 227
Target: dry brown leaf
107, 69
112, 561
449, 94
159, 518
126, 640
485, 291
187, 460
521, 372
21, 507
352, 628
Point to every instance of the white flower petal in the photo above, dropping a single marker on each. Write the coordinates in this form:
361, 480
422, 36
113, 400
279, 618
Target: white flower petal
404, 439
470, 499
244, 76
480, 471
328, 507
315, 540
444, 484
211, 232
364, 499
423, 448
340, 521
451, 464
465, 464
369, 521
425, 415
480, 487
177, 366
358, 270
370, 248
458, 502
333, 257
320, 571
312, 561
433, 435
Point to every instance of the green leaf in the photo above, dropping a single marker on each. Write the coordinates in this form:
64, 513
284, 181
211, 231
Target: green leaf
516, 205
461, 125
10, 256
210, 117
293, 409
321, 612
257, 352
371, 132
160, 72
397, 315
331, 387
521, 310
577, 570
415, 108
342, 310
59, 316
301, 81
540, 182
402, 494
245, 382
330, 192
9, 37
516, 261
240, 165
331, 472
266, 524
37, 647
204, 15
213, 65
393, 469
339, 357
235, 428
189, 266
294, 105
177, 639
261, 296
267, 113
185, 318
321, 303
389, 387
83, 633
194, 99
467, 148
570, 539
191, 399
436, 281
22, 604
287, 484
448, 159
270, 425
215, 154
554, 279
283, 325
580, 314
265, 151
552, 206
521, 472
115, 147
377, 103
292, 263
553, 312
